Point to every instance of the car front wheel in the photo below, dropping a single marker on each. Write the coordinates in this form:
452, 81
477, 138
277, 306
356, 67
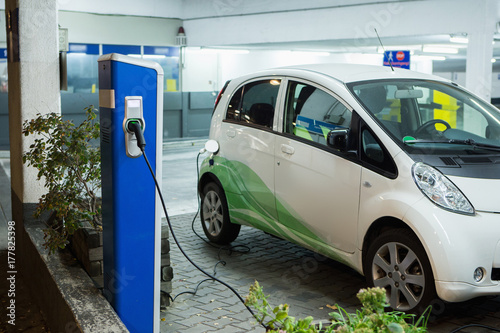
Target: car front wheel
397, 262
215, 216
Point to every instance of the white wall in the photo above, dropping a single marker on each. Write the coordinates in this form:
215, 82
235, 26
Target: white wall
199, 72
207, 70
111, 29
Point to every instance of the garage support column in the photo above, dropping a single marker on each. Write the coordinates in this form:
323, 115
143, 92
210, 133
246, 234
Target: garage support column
480, 50
33, 68
479, 66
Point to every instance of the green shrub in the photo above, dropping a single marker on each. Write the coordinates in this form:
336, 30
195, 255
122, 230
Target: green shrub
70, 167
371, 319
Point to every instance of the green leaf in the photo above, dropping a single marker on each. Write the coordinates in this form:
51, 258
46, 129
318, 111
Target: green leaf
281, 315
337, 316
395, 327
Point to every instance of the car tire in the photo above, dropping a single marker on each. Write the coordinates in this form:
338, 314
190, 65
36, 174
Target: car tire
397, 261
215, 216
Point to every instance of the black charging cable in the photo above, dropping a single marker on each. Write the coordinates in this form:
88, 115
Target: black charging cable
230, 249
135, 127
476, 325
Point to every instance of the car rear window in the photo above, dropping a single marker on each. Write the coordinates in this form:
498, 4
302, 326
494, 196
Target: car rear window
254, 103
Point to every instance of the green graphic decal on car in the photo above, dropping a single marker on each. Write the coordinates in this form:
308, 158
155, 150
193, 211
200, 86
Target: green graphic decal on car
245, 190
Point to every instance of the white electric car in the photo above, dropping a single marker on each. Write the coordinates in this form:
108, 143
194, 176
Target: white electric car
393, 173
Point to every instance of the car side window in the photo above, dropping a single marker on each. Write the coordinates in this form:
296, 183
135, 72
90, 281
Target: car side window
254, 103
311, 113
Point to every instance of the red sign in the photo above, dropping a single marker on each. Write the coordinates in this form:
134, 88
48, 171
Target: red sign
400, 56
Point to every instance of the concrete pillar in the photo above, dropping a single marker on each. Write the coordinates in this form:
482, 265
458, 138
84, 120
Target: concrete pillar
480, 50
33, 67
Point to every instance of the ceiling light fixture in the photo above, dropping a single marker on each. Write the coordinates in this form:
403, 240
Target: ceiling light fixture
462, 39
439, 49
154, 56
399, 48
224, 51
312, 53
427, 57
205, 50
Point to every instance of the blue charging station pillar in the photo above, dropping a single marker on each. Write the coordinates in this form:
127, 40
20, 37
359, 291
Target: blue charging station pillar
131, 89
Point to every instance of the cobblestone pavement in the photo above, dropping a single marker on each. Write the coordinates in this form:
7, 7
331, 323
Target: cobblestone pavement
287, 272
310, 284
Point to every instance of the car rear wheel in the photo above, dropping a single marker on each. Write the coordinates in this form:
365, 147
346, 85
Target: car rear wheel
397, 262
215, 216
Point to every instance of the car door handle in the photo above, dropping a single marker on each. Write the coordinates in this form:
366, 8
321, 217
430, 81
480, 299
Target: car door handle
231, 133
287, 149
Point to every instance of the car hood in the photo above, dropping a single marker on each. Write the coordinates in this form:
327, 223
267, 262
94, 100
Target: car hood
483, 194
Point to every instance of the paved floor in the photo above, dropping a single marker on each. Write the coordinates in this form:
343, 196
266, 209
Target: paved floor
310, 284
288, 273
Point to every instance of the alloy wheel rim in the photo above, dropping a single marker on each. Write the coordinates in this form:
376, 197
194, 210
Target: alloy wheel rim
398, 269
212, 213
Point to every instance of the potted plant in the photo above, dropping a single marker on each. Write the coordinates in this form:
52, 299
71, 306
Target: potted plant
68, 161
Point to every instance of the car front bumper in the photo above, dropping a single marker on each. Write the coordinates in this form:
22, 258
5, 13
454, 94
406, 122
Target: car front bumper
457, 245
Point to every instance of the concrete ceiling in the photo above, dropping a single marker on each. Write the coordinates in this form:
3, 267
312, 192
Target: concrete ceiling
453, 62
192, 10
423, 26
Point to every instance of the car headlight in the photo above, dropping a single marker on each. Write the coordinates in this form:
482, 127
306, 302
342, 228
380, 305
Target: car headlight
440, 190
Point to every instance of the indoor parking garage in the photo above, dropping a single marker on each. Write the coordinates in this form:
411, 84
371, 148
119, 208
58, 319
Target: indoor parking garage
262, 166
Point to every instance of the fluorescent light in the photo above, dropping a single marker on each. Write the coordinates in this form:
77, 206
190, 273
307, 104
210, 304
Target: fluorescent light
224, 51
459, 39
203, 50
493, 60
437, 49
312, 53
400, 48
154, 56
427, 57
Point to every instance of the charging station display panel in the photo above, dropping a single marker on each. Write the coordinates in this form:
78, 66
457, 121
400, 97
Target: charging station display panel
131, 89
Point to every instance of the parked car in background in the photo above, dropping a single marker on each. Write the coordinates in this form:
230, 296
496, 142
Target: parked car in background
393, 173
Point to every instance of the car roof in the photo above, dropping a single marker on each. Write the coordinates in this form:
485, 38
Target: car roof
352, 72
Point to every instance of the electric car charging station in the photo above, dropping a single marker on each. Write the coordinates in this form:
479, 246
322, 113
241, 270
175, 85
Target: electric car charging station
131, 94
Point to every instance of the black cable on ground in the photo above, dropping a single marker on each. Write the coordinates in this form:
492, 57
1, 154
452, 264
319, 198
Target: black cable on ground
229, 249
189, 292
179, 246
476, 325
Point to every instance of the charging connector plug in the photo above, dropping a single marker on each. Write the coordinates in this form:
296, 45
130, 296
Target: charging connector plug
134, 126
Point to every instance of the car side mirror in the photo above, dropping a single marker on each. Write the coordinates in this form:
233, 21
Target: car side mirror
337, 139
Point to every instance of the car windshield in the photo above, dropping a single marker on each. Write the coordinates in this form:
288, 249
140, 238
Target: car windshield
429, 117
